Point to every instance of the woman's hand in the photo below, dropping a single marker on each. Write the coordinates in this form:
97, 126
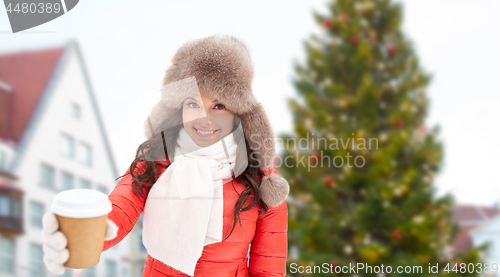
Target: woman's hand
55, 242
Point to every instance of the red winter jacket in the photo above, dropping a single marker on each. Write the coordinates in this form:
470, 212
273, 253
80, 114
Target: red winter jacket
267, 234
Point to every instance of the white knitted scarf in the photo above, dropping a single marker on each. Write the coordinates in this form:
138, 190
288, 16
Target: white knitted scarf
184, 208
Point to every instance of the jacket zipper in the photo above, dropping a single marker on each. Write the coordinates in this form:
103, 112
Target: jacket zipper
237, 269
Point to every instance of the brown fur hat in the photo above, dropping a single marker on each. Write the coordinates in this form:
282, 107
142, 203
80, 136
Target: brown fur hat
222, 69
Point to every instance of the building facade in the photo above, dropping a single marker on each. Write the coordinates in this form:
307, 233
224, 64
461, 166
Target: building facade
52, 138
478, 225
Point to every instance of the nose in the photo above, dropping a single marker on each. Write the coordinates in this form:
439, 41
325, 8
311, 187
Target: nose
204, 120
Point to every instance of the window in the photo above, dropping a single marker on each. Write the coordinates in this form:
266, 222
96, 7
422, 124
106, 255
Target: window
89, 272
102, 189
110, 269
16, 208
85, 154
140, 245
139, 268
3, 160
75, 111
6, 255
37, 268
36, 214
46, 176
67, 146
66, 181
4, 205
85, 184
10, 207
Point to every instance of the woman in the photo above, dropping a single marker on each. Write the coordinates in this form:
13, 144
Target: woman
213, 150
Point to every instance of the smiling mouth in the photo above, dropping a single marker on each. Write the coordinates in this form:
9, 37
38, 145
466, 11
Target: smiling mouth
205, 133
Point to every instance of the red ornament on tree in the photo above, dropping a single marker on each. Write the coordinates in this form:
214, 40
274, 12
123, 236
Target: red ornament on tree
396, 235
399, 123
391, 49
314, 158
423, 130
334, 264
354, 39
328, 180
344, 17
327, 23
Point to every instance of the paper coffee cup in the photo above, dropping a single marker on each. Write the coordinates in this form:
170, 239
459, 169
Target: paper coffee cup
82, 215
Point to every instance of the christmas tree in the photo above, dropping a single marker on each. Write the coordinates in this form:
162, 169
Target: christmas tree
361, 162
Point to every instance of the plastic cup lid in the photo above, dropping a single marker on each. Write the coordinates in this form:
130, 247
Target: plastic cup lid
81, 203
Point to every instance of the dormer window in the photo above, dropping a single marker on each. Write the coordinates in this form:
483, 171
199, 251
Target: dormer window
75, 111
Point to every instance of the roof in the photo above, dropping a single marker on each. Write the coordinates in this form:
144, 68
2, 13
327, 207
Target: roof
469, 217
28, 80
463, 240
471, 213
24, 76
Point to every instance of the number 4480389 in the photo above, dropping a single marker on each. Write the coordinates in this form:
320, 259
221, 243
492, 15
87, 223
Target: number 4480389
471, 268
34, 8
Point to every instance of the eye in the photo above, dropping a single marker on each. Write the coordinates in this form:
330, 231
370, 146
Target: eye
221, 107
192, 105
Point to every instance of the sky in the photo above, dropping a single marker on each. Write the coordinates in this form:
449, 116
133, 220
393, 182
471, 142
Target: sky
127, 46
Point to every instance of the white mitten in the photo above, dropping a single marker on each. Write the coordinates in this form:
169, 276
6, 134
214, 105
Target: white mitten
54, 242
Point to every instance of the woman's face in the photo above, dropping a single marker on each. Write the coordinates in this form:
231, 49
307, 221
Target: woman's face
206, 120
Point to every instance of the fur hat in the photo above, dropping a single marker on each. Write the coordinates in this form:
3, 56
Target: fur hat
222, 69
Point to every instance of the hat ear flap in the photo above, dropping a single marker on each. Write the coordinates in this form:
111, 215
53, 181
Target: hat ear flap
154, 121
161, 119
259, 135
241, 162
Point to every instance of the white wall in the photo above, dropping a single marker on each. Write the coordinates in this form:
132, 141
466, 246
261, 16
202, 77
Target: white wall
44, 146
489, 232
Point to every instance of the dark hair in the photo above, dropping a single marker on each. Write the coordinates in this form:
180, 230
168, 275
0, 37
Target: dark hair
155, 149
